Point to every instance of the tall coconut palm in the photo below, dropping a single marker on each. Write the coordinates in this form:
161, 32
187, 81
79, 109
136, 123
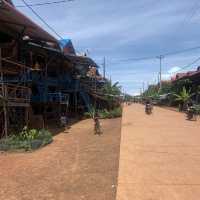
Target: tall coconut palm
183, 97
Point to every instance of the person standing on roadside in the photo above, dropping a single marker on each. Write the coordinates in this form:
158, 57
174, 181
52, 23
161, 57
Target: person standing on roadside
97, 125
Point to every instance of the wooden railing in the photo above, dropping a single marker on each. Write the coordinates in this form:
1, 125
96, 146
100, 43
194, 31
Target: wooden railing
14, 93
58, 97
90, 86
13, 67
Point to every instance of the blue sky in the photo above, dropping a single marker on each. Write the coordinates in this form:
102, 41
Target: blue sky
123, 29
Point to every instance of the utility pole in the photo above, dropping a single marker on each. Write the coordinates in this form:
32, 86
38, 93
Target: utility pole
147, 87
143, 86
158, 79
110, 78
104, 67
160, 72
140, 91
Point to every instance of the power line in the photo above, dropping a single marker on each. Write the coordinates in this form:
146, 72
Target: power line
182, 68
181, 51
155, 57
187, 66
52, 29
192, 13
134, 59
43, 4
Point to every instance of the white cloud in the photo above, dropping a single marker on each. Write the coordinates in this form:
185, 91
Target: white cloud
170, 72
173, 70
166, 76
127, 29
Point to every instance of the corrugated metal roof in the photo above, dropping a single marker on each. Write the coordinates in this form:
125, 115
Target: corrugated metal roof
189, 74
13, 20
67, 46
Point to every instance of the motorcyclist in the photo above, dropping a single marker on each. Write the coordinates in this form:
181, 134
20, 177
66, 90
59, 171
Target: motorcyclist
148, 106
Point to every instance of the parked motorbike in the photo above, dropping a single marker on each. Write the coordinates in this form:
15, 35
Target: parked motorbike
191, 115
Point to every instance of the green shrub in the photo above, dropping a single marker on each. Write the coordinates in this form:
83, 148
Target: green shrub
195, 109
26, 140
105, 114
116, 112
36, 144
87, 115
27, 134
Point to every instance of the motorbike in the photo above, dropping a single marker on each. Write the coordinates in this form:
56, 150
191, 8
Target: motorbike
191, 115
148, 109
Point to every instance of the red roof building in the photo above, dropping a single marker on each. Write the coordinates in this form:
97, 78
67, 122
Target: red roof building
192, 75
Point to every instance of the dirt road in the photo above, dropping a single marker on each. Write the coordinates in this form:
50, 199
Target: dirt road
77, 166
160, 156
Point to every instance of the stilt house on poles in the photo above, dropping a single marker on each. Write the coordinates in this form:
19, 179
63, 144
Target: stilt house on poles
40, 77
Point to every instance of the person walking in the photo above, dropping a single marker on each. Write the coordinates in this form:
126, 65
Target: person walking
63, 120
97, 126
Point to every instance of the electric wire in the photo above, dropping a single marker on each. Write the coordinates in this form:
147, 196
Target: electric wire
36, 14
43, 4
118, 61
187, 66
192, 13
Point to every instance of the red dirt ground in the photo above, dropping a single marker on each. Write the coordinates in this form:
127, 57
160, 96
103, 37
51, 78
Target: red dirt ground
77, 165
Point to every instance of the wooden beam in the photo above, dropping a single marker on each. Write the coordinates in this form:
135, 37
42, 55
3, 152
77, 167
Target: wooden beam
14, 104
9, 72
17, 86
4, 102
16, 63
13, 23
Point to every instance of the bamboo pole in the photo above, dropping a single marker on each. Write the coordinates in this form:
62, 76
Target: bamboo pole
46, 95
4, 98
76, 102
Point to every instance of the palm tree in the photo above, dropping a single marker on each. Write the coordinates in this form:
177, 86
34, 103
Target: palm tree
111, 91
92, 112
183, 98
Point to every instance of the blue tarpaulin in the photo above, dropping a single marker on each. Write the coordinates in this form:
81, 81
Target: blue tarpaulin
67, 46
